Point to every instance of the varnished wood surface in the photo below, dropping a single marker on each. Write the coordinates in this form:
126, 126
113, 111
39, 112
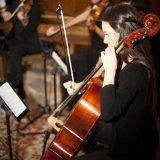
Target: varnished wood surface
78, 126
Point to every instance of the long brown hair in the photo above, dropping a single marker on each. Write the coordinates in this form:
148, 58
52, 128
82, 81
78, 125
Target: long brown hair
123, 18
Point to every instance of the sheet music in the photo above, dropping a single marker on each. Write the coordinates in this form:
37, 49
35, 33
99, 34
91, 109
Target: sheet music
12, 100
59, 61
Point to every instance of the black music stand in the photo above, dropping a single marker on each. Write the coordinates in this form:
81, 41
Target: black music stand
46, 52
11, 104
60, 67
50, 51
8, 114
46, 109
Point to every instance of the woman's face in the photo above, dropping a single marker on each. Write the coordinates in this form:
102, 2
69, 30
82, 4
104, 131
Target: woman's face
111, 37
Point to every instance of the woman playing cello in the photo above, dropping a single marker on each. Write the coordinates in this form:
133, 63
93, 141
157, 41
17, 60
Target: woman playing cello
128, 94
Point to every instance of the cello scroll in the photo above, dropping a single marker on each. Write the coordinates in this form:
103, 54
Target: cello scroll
152, 26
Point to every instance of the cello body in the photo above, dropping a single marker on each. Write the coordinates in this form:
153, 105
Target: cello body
78, 126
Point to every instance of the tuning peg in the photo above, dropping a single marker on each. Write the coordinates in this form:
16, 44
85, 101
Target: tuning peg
134, 41
144, 36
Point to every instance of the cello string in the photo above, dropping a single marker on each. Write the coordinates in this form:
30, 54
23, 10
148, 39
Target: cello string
64, 104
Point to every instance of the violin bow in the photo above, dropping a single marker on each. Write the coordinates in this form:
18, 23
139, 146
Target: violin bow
66, 49
16, 10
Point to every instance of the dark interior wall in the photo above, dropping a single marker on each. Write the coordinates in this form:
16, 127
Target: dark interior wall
70, 7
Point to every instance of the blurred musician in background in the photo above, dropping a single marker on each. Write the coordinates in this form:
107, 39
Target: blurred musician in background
4, 17
22, 40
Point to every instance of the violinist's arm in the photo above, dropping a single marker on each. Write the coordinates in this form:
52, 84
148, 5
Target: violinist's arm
93, 27
78, 19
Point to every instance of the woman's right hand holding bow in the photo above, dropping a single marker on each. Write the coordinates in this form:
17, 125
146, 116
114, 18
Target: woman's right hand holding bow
72, 87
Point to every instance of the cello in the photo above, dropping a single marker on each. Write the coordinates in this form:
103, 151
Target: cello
86, 112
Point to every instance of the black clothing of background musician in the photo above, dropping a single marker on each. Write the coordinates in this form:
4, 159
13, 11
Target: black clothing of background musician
4, 17
22, 40
1, 19
1, 31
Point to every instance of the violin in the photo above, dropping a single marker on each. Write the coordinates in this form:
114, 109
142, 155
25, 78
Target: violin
97, 13
27, 6
86, 112
25, 9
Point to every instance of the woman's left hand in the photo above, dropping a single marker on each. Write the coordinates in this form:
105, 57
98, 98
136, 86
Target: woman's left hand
109, 60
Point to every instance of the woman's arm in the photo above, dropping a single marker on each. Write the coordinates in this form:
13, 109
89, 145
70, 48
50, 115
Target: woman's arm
115, 100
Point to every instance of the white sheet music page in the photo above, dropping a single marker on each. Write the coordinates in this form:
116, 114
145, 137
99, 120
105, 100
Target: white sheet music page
11, 99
